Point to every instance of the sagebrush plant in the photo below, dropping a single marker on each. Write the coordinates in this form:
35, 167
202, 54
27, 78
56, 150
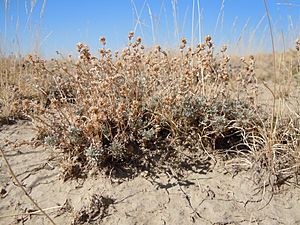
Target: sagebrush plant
145, 109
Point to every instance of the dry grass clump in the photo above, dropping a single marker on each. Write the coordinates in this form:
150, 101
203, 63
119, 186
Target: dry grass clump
13, 88
278, 155
142, 109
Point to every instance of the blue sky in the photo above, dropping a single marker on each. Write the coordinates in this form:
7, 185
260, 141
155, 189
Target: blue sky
242, 24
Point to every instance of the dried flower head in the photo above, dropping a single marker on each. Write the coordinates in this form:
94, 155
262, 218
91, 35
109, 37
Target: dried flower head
138, 39
102, 40
134, 45
224, 49
183, 41
30, 58
130, 35
207, 38
101, 51
79, 46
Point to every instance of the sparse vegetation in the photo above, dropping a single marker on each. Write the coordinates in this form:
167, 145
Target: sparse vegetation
147, 109
162, 116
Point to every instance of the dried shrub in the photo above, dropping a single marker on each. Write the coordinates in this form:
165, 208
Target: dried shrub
143, 109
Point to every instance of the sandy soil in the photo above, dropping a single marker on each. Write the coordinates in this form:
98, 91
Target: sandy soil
216, 197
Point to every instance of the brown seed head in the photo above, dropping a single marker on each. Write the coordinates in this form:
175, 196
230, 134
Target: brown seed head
138, 39
102, 40
130, 35
30, 58
207, 38
79, 46
134, 45
183, 41
101, 51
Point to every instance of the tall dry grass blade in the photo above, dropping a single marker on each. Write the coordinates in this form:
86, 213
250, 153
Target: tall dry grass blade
160, 13
291, 28
176, 28
167, 23
186, 13
242, 32
219, 16
288, 4
32, 5
274, 68
283, 42
43, 8
45, 38
152, 24
253, 33
26, 8
193, 17
199, 22
138, 16
6, 7
233, 32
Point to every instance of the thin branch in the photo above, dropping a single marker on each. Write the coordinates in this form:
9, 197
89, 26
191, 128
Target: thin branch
31, 213
23, 189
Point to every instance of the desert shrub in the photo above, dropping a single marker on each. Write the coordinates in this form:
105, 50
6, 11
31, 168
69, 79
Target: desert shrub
146, 108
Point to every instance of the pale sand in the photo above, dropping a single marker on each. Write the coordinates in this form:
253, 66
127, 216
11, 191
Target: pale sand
211, 198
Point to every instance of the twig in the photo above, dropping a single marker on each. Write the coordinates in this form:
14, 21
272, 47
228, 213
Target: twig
23, 189
31, 213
